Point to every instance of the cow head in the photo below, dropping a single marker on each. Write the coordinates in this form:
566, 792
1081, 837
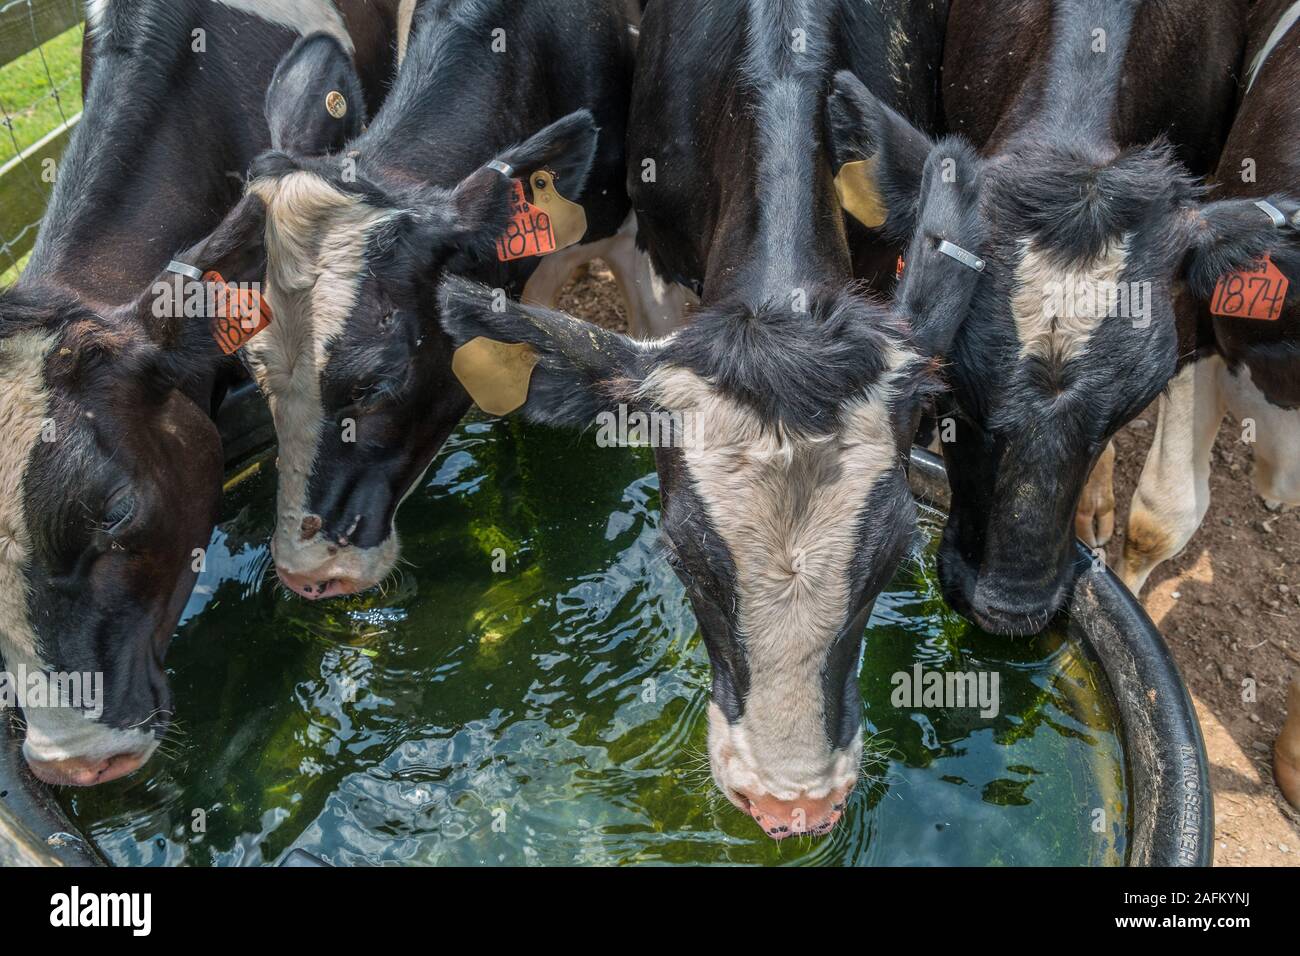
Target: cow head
1072, 332
781, 442
110, 471
355, 366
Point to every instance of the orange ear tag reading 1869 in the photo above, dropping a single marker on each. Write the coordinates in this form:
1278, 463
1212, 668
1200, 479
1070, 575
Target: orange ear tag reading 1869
240, 313
1256, 292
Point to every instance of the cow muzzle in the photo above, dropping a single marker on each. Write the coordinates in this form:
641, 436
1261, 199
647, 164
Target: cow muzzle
88, 771
783, 801
317, 567
999, 601
98, 755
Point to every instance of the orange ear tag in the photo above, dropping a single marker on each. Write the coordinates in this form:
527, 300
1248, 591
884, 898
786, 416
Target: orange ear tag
898, 269
530, 232
1255, 292
239, 314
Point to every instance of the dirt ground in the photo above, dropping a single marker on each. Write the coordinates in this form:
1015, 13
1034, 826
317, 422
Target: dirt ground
1229, 607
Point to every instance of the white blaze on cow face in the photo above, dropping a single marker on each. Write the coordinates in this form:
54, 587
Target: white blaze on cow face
1056, 307
24, 405
53, 733
789, 512
316, 243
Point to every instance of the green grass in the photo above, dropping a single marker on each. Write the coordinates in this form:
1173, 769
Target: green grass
10, 275
27, 88
27, 95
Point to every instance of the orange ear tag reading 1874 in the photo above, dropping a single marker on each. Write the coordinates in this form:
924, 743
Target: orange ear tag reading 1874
1255, 292
529, 233
240, 313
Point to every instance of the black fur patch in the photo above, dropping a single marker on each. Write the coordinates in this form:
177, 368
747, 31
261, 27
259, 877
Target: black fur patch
795, 370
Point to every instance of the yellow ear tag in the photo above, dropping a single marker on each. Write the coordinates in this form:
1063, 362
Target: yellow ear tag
496, 374
859, 195
568, 219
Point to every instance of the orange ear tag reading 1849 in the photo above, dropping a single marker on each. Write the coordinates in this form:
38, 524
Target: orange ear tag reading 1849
240, 313
1256, 292
554, 223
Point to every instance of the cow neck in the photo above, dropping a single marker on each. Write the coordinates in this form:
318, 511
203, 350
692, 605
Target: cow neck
779, 232
154, 171
452, 108
1082, 83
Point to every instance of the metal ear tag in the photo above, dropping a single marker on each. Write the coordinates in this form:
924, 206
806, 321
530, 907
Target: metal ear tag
336, 104
859, 194
954, 251
1268, 209
568, 219
496, 374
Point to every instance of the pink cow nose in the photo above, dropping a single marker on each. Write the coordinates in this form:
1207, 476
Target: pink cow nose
87, 771
316, 587
802, 816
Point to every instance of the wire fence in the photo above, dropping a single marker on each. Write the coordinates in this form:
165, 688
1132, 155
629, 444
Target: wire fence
40, 105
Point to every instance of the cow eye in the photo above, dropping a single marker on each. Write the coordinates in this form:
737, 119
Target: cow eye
121, 507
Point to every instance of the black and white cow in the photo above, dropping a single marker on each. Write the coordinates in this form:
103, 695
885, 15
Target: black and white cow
355, 365
110, 466
790, 397
1249, 366
1095, 228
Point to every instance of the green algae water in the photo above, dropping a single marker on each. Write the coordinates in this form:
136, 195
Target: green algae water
533, 691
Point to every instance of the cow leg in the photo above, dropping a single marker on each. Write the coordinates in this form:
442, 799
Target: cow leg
1276, 436
655, 307
1173, 493
1094, 519
1286, 752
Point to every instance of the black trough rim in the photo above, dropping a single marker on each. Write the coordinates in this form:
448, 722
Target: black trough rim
1172, 807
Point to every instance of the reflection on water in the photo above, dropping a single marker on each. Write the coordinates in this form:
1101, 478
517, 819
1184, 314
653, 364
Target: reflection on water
532, 689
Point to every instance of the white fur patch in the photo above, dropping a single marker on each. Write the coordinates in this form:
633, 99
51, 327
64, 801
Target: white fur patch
789, 512
303, 16
316, 241
24, 405
405, 15
1284, 24
1056, 309
95, 10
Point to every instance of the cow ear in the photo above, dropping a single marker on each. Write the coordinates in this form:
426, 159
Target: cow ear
567, 148
479, 211
565, 374
1230, 234
945, 259
877, 155
314, 104
236, 250
237, 247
